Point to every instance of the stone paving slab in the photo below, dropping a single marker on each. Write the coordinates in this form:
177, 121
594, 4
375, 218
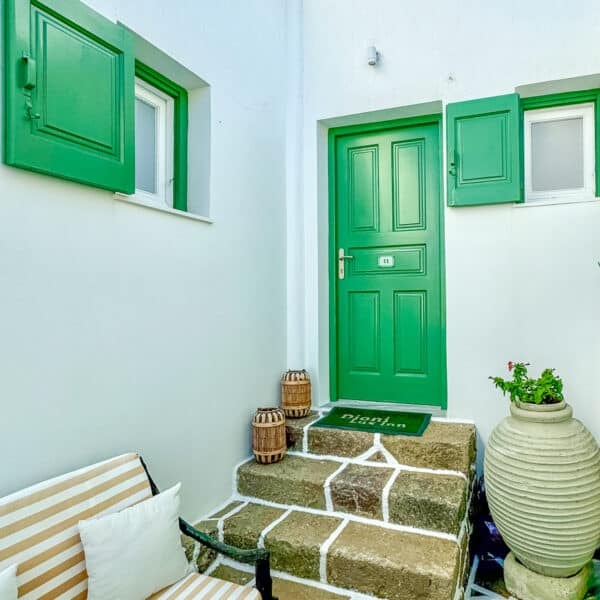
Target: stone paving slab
225, 510
295, 543
205, 554
442, 446
290, 590
338, 442
294, 429
294, 480
378, 456
231, 574
393, 564
282, 588
428, 501
244, 528
358, 490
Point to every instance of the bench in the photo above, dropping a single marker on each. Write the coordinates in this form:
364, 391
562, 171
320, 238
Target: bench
38, 532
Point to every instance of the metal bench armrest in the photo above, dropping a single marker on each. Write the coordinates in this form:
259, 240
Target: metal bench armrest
258, 556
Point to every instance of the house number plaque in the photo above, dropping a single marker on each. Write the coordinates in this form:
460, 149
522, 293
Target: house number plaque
385, 261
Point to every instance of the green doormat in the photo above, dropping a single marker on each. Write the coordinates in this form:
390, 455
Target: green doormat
375, 421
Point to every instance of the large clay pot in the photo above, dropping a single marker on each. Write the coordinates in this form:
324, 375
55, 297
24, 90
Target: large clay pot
542, 473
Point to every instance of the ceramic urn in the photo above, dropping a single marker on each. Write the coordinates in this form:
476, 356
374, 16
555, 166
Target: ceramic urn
542, 473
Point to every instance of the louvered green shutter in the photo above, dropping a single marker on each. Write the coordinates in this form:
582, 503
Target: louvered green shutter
484, 151
69, 93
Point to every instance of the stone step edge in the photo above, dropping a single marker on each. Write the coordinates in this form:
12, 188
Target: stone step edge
396, 469
320, 413
324, 549
243, 502
325, 587
362, 460
345, 517
377, 447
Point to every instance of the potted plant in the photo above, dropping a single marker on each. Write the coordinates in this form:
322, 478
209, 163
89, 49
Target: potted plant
547, 389
542, 472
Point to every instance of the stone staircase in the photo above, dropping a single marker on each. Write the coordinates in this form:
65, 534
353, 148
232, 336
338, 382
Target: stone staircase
356, 515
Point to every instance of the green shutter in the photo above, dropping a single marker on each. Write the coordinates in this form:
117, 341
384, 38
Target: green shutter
484, 142
69, 93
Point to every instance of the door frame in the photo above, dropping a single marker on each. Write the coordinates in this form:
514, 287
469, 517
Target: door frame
333, 134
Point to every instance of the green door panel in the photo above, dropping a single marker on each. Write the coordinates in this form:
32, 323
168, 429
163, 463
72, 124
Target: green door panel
388, 320
484, 151
69, 93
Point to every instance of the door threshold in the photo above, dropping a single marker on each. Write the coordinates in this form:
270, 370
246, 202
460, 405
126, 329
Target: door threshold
435, 411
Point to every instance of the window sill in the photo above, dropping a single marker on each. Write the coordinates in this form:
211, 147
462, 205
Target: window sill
555, 201
165, 209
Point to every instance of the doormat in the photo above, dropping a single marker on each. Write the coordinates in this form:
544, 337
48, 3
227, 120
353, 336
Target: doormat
388, 422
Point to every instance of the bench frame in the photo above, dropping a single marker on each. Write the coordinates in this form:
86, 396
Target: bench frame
258, 557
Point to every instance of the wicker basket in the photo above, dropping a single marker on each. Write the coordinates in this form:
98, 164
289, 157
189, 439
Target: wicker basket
268, 435
295, 394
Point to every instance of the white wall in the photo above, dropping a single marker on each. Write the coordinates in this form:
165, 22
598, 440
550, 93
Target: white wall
522, 283
123, 328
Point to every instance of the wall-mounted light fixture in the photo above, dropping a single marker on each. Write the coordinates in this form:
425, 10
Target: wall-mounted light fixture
372, 56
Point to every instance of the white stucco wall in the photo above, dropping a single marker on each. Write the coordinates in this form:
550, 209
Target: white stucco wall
123, 328
522, 283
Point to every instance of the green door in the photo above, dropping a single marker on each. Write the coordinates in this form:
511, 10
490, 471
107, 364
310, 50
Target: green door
388, 331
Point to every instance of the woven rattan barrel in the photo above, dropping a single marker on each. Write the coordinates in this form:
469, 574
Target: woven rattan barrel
295, 394
268, 435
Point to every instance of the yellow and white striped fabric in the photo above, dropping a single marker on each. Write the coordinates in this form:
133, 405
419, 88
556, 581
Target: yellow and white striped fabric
38, 525
196, 587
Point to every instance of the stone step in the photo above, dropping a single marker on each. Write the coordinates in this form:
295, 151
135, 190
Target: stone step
424, 500
383, 561
444, 445
283, 588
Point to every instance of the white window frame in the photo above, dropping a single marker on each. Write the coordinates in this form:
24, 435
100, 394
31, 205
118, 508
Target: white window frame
164, 151
559, 113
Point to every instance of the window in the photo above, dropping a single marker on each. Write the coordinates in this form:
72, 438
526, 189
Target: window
78, 105
559, 153
161, 139
154, 159
537, 149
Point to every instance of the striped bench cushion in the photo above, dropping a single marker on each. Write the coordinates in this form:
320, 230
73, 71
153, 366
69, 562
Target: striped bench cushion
38, 525
197, 586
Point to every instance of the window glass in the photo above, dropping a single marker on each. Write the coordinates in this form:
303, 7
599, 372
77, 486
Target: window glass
145, 146
557, 155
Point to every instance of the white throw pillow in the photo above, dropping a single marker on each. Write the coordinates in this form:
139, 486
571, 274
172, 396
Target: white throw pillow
8, 583
131, 554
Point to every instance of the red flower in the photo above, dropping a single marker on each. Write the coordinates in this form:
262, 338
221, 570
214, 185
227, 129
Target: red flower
511, 365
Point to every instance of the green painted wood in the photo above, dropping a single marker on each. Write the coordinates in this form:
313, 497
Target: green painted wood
484, 145
388, 316
564, 99
69, 93
180, 147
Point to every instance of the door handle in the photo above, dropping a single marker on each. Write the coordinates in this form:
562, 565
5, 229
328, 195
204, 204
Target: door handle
342, 256
30, 72
452, 162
